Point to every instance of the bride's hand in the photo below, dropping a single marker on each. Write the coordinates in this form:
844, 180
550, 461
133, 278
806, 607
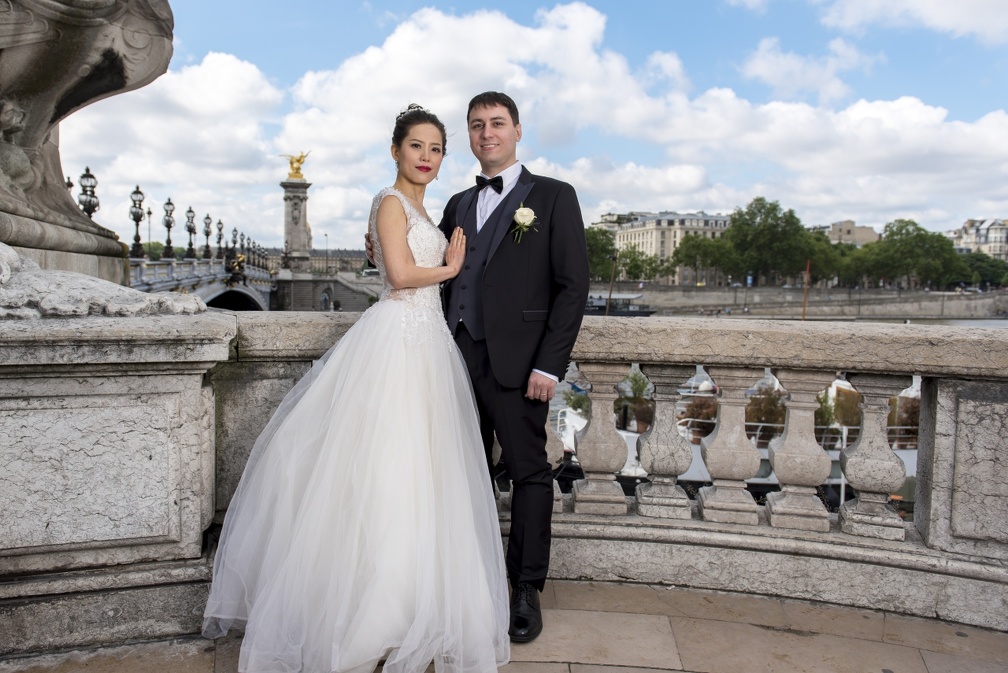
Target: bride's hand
455, 254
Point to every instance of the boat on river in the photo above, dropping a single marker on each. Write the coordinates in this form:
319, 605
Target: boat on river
620, 304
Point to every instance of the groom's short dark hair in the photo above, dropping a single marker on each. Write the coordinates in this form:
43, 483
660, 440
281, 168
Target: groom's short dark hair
492, 98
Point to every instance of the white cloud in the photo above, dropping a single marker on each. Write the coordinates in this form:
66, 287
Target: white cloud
209, 134
197, 135
791, 75
755, 5
984, 19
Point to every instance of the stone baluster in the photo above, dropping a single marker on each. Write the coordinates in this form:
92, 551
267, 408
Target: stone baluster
664, 453
799, 461
871, 466
601, 450
729, 455
554, 454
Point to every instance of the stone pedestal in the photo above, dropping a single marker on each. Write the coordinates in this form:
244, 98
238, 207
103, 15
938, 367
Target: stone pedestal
108, 480
59, 57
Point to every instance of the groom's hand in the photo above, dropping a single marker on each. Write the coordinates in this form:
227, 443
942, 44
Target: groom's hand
369, 247
540, 387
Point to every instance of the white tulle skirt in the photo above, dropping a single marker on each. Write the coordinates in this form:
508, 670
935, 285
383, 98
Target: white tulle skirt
364, 527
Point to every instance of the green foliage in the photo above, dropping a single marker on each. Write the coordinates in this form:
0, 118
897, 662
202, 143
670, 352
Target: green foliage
767, 409
824, 414
578, 401
153, 250
984, 269
847, 407
638, 266
769, 241
701, 407
601, 250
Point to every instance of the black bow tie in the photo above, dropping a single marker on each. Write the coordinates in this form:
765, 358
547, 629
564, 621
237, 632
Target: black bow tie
497, 183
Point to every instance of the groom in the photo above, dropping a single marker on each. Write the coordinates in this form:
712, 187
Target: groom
515, 311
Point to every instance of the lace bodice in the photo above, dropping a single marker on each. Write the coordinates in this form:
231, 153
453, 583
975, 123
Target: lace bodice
428, 245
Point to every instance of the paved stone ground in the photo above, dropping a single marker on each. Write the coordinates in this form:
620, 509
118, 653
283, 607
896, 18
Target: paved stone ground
627, 628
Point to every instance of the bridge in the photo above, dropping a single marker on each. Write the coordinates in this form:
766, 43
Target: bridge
215, 281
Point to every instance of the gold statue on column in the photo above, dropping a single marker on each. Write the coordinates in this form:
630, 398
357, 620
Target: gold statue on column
296, 161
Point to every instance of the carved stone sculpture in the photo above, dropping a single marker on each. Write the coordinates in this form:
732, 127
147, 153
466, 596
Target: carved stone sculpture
57, 56
26, 291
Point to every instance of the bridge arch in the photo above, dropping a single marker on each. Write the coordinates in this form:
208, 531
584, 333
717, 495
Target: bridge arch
237, 298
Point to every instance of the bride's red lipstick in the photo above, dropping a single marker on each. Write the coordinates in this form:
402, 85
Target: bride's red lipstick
425, 169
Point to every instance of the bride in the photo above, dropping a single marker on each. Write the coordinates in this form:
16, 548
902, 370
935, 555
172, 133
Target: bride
364, 527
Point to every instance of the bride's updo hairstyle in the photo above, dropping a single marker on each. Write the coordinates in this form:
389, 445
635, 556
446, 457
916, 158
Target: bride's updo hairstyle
412, 116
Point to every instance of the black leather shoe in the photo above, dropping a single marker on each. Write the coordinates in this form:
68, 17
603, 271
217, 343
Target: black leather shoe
526, 617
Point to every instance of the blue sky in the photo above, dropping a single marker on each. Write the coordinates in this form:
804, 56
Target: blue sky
839, 109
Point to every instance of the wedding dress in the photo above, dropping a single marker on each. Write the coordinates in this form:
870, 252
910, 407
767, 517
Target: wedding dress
364, 527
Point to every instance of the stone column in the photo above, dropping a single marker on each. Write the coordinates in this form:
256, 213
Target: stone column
799, 461
297, 231
664, 453
730, 456
870, 465
601, 451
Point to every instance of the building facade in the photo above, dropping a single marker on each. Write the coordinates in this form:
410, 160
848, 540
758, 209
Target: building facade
846, 231
987, 236
659, 234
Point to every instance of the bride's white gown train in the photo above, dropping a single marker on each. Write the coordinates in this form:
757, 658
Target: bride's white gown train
364, 527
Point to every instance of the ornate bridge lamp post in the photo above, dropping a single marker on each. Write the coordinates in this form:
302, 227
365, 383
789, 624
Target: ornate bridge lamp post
136, 214
220, 240
207, 228
168, 221
87, 199
190, 227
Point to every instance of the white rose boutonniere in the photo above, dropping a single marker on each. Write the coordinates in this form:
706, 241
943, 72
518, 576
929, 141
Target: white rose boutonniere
524, 218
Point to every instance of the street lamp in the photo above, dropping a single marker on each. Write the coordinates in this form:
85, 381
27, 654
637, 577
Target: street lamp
168, 221
87, 199
326, 252
149, 214
136, 214
207, 228
190, 227
220, 239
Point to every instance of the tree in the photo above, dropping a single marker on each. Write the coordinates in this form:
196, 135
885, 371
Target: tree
601, 251
638, 266
990, 271
768, 240
908, 253
153, 250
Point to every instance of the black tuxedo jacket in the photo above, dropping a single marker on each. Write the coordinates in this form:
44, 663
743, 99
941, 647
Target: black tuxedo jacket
534, 291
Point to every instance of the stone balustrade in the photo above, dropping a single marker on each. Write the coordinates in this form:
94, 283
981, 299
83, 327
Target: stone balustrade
949, 562
111, 425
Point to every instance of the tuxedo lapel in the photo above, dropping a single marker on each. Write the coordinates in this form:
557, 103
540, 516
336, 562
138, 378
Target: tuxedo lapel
466, 212
506, 210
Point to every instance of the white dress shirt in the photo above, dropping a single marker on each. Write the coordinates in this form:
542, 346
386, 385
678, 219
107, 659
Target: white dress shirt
489, 199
